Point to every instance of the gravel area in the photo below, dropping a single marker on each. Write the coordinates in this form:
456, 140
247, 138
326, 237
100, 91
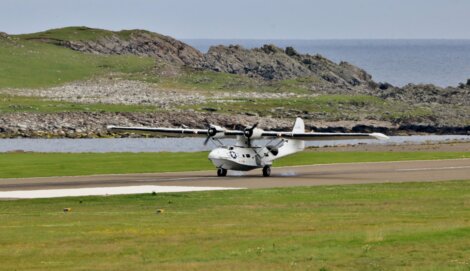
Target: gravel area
116, 91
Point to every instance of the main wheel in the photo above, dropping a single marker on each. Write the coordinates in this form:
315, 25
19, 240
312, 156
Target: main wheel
266, 171
221, 172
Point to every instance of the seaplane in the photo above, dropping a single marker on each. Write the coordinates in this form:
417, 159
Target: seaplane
245, 155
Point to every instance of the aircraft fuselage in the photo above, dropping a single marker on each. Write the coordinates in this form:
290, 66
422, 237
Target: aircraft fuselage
241, 158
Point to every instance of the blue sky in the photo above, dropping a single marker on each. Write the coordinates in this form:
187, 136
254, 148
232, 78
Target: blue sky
251, 19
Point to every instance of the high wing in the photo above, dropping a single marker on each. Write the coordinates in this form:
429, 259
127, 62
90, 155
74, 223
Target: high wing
323, 136
223, 133
184, 132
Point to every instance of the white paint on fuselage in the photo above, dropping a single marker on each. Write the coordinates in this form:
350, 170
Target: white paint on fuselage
245, 158
237, 158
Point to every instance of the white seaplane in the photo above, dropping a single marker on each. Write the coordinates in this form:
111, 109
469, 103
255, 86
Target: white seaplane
244, 155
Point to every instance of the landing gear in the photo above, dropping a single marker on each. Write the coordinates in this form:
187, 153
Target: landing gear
221, 172
266, 171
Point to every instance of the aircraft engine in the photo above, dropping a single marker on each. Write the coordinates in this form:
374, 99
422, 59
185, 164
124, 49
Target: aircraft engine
253, 132
214, 131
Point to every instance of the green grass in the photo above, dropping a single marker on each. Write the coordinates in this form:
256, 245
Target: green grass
211, 81
19, 165
408, 226
28, 64
324, 107
9, 104
73, 33
80, 33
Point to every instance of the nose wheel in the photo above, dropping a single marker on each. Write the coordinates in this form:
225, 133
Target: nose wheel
221, 172
266, 171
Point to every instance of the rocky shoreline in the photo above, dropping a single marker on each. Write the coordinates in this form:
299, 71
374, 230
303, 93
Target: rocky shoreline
93, 125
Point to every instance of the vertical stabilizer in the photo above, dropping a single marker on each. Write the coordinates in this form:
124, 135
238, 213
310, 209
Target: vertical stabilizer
299, 126
291, 146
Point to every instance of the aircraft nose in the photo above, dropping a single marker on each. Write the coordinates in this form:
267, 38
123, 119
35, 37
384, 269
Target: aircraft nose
213, 154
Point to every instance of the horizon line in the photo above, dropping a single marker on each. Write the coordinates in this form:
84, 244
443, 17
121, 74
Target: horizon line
246, 38
310, 39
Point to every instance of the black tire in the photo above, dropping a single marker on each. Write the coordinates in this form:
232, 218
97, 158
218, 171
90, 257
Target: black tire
266, 171
221, 172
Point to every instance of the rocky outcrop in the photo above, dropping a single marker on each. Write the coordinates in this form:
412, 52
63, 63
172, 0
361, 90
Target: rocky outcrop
135, 42
272, 63
88, 125
268, 62
428, 94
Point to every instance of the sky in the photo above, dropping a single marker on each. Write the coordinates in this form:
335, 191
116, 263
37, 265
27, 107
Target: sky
248, 19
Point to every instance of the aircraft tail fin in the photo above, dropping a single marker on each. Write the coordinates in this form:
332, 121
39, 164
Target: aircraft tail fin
299, 126
292, 146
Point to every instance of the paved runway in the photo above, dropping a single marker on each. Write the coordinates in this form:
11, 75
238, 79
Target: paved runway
351, 173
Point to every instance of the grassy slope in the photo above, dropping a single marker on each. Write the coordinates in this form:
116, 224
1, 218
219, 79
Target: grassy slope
73, 33
9, 104
28, 64
216, 81
410, 226
17, 165
328, 107
79, 33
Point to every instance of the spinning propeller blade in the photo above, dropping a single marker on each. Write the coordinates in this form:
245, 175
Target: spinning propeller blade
249, 132
207, 140
212, 131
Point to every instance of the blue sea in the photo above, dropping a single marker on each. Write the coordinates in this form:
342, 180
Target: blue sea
399, 62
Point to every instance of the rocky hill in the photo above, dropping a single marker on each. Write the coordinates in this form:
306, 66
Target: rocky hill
232, 82
429, 94
136, 42
268, 62
272, 63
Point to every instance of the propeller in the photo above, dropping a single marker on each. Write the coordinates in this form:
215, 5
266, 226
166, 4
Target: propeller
212, 131
248, 133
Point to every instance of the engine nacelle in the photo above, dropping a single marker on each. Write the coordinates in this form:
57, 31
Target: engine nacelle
254, 133
257, 133
216, 131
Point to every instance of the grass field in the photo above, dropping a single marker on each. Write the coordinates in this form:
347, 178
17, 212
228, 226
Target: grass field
28, 64
19, 165
74, 33
324, 107
10, 104
409, 226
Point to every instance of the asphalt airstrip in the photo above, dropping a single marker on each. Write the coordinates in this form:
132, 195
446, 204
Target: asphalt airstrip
312, 175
